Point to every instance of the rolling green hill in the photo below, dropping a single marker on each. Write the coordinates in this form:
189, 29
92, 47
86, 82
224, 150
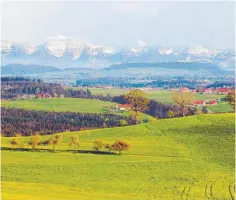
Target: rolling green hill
60, 104
68, 105
181, 158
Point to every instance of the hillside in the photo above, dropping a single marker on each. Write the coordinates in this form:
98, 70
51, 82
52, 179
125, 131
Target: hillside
60, 104
170, 65
18, 69
181, 158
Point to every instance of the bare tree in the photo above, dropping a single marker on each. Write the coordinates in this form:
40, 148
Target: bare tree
138, 101
56, 141
34, 141
231, 99
98, 144
183, 99
74, 142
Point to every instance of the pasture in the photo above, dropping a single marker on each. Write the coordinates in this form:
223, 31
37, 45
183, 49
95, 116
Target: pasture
60, 104
182, 158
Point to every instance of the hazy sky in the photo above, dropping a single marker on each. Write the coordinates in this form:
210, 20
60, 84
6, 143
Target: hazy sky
209, 24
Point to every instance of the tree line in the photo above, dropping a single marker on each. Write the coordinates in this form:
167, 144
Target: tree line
74, 142
28, 122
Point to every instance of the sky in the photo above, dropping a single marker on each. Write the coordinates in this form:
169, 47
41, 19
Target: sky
138, 24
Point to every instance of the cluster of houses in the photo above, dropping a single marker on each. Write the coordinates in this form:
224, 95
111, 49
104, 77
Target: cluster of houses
204, 90
32, 96
183, 89
204, 102
41, 95
215, 91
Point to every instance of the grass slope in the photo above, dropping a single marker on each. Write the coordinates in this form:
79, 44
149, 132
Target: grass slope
68, 104
60, 104
181, 158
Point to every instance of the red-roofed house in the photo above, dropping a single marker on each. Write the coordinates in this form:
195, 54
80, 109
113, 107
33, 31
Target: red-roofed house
206, 91
212, 102
125, 106
185, 89
199, 102
43, 95
223, 90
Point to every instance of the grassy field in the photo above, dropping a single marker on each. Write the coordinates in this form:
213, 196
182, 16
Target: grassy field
60, 104
166, 97
159, 95
221, 107
182, 158
67, 104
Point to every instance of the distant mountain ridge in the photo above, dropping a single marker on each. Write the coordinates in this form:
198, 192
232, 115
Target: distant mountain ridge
18, 69
66, 53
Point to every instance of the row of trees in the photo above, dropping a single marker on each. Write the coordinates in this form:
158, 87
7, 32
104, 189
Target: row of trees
12, 87
74, 142
28, 122
117, 146
35, 141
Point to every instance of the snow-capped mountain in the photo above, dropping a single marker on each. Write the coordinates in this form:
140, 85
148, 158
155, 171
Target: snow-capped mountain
67, 53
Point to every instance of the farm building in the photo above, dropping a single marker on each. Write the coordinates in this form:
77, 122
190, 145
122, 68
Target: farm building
199, 102
125, 107
206, 91
25, 96
43, 95
184, 89
212, 102
223, 90
174, 89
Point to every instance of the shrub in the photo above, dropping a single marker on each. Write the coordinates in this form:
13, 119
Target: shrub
123, 122
171, 114
120, 146
108, 146
34, 141
56, 141
204, 110
98, 144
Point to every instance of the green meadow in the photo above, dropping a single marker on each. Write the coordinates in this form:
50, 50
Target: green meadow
60, 104
165, 96
159, 95
182, 158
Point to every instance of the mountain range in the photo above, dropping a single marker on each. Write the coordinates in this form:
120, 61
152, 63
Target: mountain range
69, 53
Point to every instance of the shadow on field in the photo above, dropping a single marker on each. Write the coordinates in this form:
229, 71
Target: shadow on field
57, 151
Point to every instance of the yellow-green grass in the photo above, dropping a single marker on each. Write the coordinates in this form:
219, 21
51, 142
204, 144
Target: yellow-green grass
60, 104
181, 158
220, 107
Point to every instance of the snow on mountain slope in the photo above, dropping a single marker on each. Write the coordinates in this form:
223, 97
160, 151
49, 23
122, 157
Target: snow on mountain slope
5, 46
166, 51
201, 51
63, 52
